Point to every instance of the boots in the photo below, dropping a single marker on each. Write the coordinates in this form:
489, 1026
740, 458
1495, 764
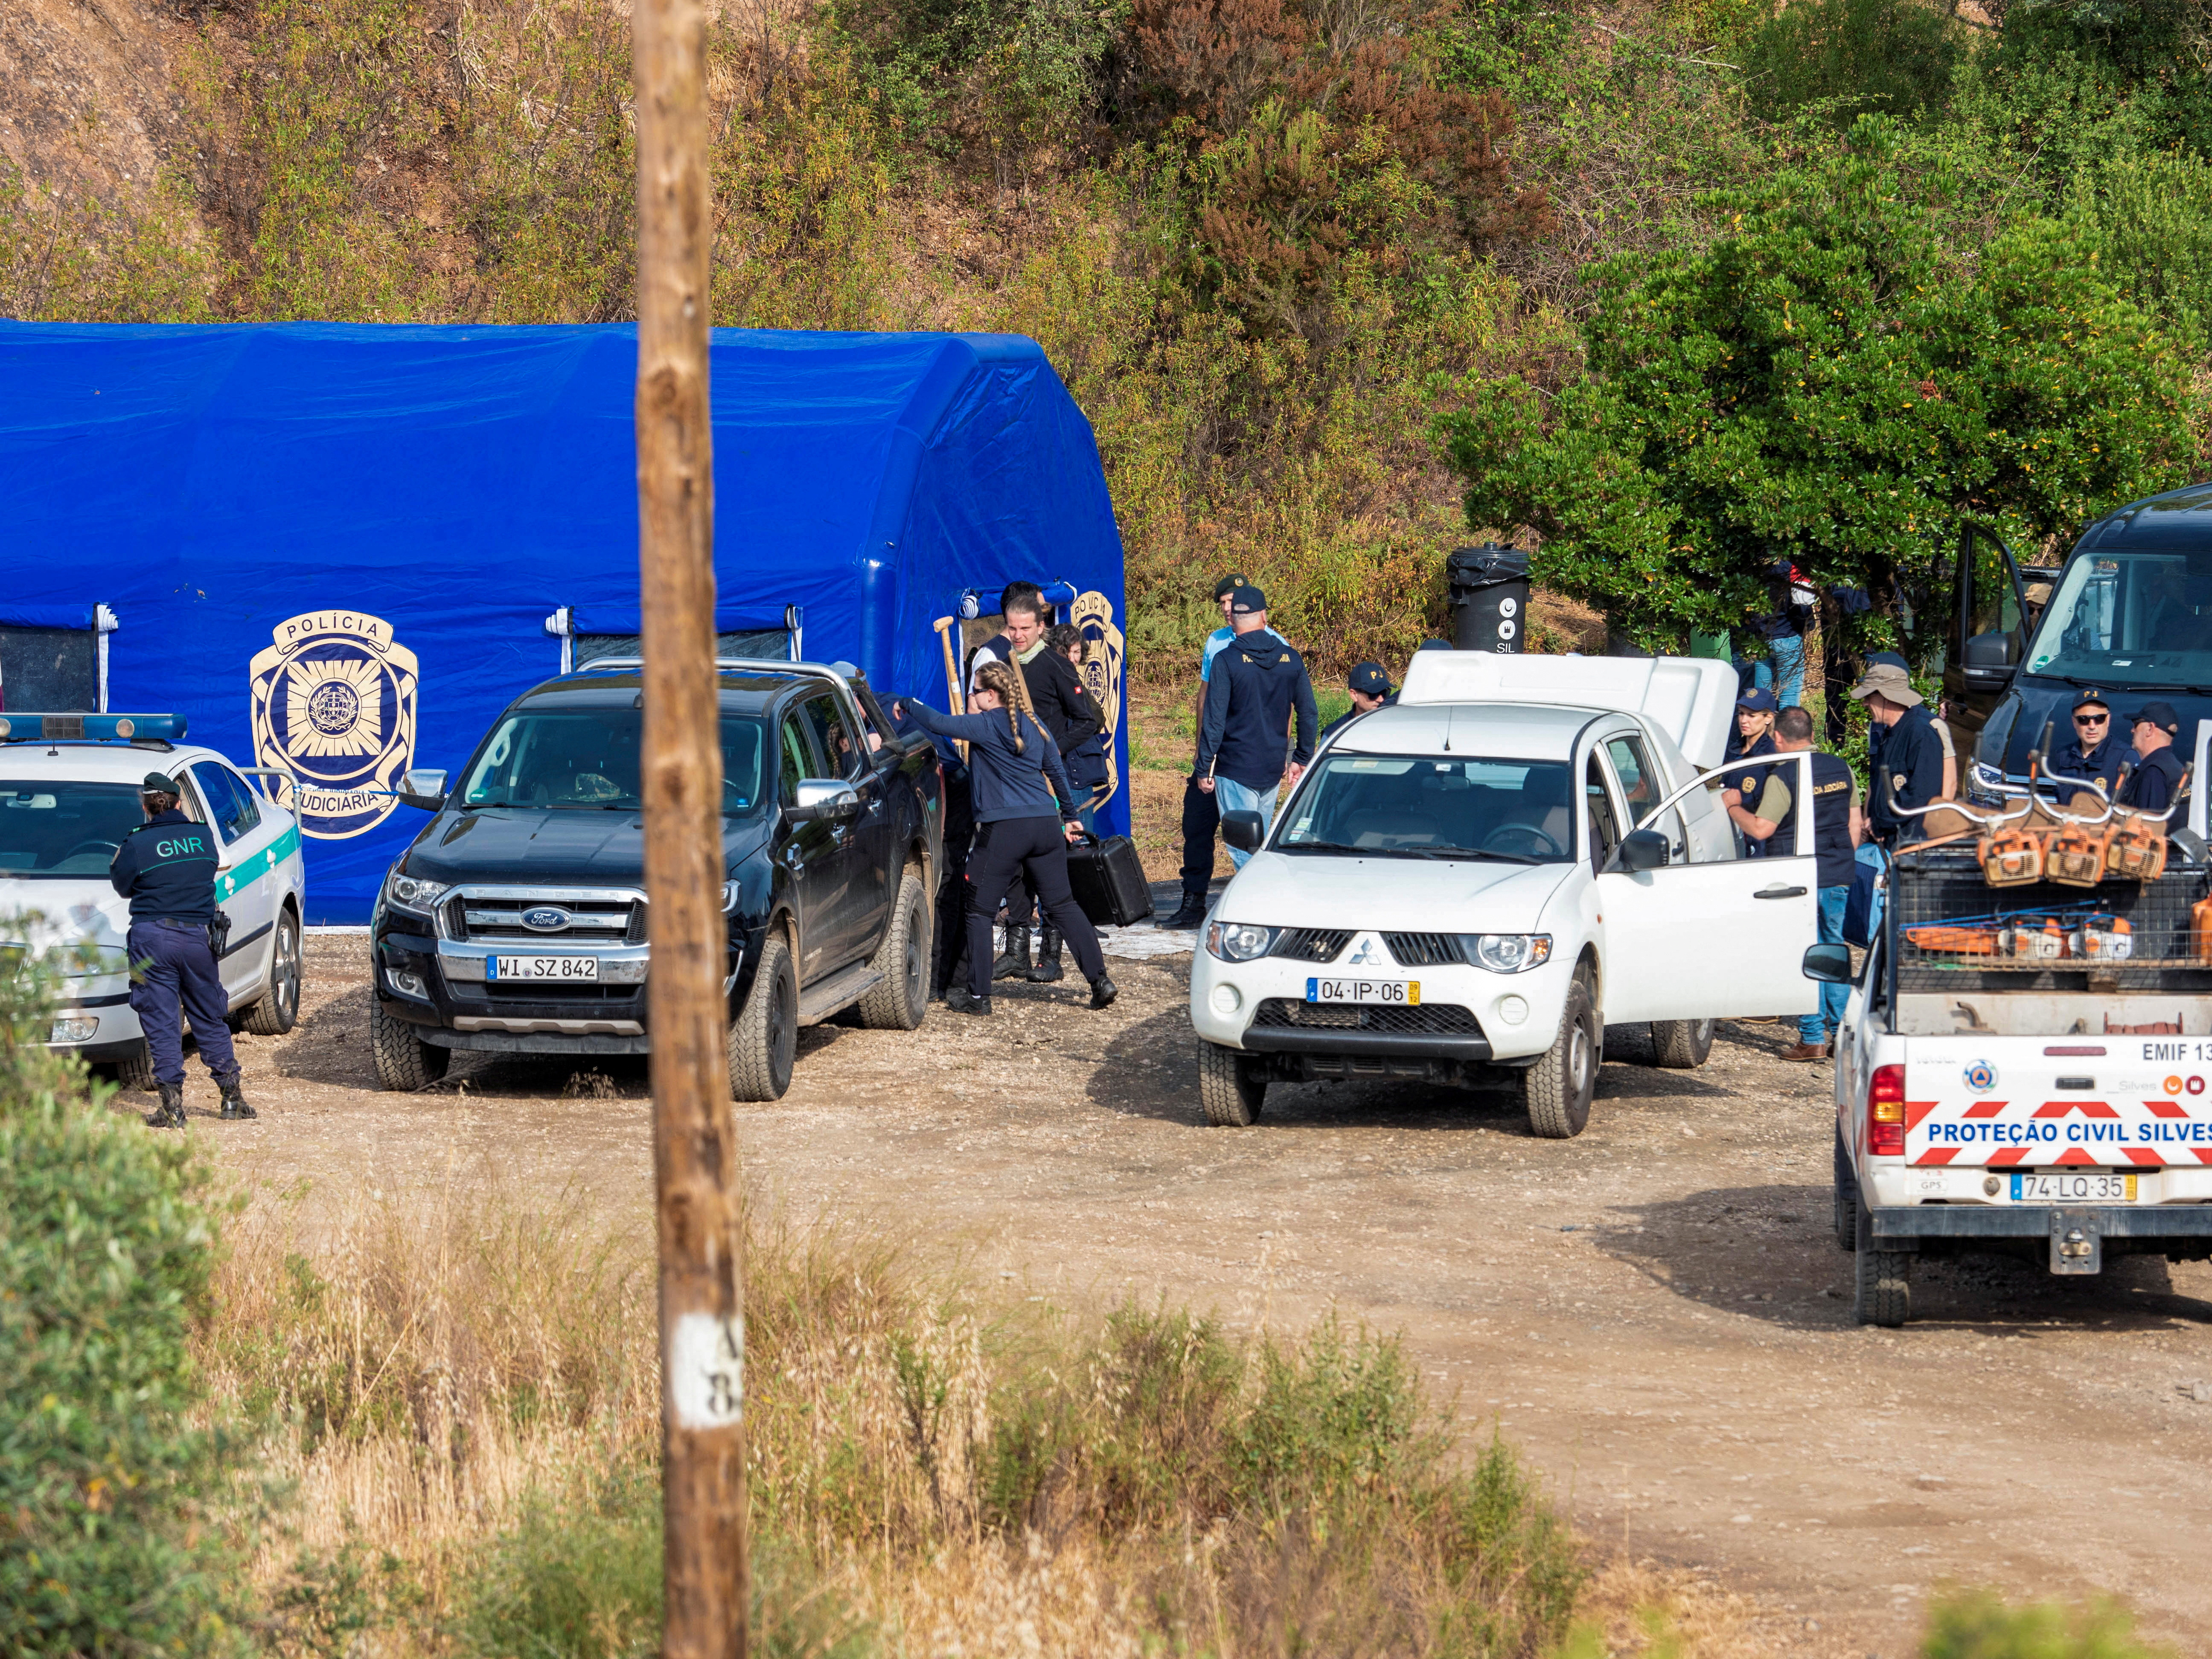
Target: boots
234, 1101
1103, 991
170, 1114
1015, 961
961, 1000
1048, 966
1192, 914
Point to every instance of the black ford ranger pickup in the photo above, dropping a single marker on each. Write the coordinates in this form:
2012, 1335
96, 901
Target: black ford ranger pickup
516, 921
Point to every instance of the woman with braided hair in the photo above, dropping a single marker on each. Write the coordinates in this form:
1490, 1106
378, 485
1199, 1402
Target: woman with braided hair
1015, 771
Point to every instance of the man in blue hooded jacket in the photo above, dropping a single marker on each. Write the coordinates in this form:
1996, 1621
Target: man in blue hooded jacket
1244, 753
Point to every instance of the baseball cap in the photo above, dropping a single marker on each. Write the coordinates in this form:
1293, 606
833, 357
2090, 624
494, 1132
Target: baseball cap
1247, 601
159, 783
1369, 679
1760, 702
1436, 645
2159, 714
1891, 681
1229, 585
2091, 698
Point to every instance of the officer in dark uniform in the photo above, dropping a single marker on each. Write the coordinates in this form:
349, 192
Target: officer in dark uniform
166, 867
1370, 689
1772, 822
1754, 736
2096, 753
2157, 777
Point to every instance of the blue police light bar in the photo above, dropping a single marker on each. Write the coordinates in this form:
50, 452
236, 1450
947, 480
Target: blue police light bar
92, 728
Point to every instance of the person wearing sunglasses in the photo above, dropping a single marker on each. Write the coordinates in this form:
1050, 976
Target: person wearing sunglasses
2097, 751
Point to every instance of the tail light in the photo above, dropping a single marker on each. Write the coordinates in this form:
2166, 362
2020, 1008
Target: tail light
1885, 1112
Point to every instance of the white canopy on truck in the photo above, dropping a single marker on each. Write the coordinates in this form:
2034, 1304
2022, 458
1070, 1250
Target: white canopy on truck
1691, 699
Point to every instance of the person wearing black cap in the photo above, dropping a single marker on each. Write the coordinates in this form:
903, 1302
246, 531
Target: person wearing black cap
1257, 682
1201, 814
2096, 753
1371, 689
2157, 777
1754, 736
167, 867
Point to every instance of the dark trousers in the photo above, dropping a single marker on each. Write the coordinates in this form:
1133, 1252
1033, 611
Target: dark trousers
178, 982
1201, 819
952, 892
1002, 852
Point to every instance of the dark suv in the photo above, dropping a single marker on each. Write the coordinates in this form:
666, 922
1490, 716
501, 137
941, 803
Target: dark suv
516, 922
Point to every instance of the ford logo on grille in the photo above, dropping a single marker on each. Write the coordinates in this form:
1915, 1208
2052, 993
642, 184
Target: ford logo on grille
546, 919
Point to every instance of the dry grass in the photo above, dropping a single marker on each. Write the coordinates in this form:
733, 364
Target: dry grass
461, 1400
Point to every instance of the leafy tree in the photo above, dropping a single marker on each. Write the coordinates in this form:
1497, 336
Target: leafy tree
1832, 383
1894, 54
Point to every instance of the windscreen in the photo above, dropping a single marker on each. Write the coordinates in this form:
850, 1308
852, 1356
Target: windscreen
2141, 619
587, 758
1427, 807
53, 830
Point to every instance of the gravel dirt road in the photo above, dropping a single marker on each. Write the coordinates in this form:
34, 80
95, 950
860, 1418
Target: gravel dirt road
1656, 1311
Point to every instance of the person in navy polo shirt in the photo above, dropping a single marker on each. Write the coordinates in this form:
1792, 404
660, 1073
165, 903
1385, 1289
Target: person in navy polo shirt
166, 867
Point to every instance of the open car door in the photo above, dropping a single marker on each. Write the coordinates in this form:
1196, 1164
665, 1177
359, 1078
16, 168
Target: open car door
1713, 938
1990, 641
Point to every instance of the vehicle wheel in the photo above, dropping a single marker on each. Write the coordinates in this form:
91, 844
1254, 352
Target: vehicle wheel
1226, 1088
278, 1010
404, 1061
1681, 1045
899, 1003
1847, 1197
1884, 1278
1557, 1089
764, 1037
138, 1072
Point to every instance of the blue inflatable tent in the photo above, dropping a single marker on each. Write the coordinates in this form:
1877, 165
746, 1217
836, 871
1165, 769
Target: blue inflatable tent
343, 550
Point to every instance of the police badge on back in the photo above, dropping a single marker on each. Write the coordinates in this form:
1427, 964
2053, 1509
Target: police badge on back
334, 703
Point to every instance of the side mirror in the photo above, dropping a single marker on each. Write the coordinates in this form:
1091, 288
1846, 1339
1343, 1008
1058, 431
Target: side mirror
423, 787
1987, 661
824, 800
1243, 830
1829, 964
1642, 850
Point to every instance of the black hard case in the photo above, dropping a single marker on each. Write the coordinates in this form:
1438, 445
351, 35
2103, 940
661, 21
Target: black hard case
1109, 882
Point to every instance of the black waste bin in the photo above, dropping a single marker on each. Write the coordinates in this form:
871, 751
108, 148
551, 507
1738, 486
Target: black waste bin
1489, 598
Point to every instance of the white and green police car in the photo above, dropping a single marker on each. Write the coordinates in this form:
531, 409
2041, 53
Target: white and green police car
68, 795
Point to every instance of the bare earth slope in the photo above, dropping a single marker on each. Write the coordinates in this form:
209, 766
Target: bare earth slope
1656, 1311
86, 100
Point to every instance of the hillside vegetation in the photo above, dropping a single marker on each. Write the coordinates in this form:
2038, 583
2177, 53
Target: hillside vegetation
1269, 243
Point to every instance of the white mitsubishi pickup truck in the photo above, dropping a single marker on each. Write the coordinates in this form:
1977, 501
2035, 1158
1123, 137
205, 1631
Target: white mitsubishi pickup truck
1482, 878
2025, 1070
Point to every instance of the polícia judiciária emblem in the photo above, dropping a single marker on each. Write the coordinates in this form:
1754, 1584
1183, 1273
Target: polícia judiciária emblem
334, 704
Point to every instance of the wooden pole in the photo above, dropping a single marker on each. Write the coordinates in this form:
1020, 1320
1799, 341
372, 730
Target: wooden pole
695, 1150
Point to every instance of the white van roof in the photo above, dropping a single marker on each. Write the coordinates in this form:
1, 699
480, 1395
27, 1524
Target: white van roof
1692, 699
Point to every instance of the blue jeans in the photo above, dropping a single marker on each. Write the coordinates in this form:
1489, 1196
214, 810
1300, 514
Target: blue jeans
1820, 1024
1784, 671
1235, 797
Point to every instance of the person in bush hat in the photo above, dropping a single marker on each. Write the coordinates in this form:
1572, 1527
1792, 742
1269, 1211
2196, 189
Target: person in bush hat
1910, 772
2152, 785
1936, 723
1201, 814
1371, 689
166, 867
2097, 752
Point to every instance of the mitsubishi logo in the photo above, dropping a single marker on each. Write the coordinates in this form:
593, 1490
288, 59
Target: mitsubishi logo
1367, 953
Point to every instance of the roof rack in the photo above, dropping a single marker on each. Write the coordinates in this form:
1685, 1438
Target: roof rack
161, 732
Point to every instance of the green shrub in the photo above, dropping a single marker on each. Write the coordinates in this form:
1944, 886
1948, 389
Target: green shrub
1895, 56
1982, 1627
113, 1541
